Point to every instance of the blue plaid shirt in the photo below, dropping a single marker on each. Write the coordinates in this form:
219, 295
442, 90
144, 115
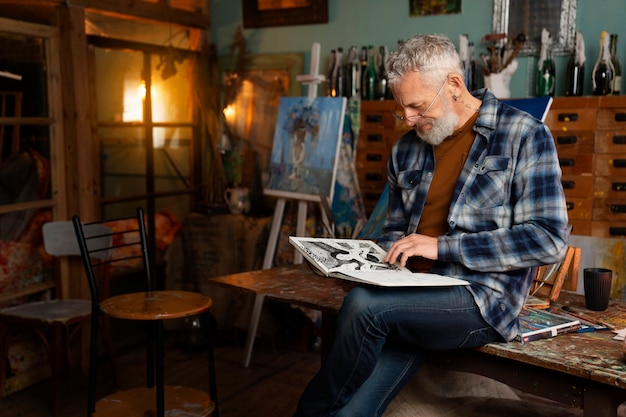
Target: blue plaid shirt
508, 211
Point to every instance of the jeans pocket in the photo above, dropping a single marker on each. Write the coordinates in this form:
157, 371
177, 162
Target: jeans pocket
480, 337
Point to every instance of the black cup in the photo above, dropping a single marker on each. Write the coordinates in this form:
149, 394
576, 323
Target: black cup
597, 288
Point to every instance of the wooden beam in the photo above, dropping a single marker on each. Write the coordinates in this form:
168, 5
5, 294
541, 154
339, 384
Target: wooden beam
161, 11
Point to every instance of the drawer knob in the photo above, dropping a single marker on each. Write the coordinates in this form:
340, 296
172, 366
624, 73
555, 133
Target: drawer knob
617, 231
374, 138
619, 140
372, 196
566, 140
374, 157
373, 176
374, 118
618, 186
567, 117
568, 185
567, 162
619, 163
569, 205
618, 208
620, 117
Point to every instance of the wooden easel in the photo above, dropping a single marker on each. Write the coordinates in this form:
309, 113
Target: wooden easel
311, 80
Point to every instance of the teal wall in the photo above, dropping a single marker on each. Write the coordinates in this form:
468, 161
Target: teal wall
377, 22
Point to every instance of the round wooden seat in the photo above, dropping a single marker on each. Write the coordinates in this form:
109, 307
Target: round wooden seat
140, 402
156, 305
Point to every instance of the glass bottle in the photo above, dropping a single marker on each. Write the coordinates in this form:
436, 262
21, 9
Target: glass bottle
363, 61
575, 77
617, 66
368, 86
332, 75
353, 73
546, 75
340, 79
382, 90
603, 72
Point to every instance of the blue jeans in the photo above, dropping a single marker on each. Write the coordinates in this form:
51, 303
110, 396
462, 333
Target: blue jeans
383, 335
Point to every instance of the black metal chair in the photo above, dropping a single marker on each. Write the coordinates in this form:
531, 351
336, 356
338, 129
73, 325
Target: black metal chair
102, 248
56, 321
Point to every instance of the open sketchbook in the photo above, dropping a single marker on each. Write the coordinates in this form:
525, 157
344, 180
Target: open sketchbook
363, 261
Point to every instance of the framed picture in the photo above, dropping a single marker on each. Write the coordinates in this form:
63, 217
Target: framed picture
305, 152
426, 8
253, 113
264, 13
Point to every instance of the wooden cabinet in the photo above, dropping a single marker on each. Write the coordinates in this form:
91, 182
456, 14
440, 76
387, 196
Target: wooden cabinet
590, 135
378, 132
572, 122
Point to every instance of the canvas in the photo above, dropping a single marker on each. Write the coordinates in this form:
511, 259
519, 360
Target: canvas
304, 156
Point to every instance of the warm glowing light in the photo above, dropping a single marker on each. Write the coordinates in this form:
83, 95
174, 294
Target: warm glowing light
229, 113
141, 90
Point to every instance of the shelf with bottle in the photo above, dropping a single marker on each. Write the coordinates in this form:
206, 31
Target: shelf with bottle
603, 71
360, 75
546, 70
575, 75
617, 66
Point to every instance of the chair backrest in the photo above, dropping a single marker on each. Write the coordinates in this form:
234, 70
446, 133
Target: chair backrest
59, 239
549, 279
107, 244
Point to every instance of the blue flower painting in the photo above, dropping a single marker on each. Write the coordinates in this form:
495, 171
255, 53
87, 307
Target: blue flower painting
304, 156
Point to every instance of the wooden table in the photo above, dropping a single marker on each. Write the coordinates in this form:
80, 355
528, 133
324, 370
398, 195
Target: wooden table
584, 370
296, 284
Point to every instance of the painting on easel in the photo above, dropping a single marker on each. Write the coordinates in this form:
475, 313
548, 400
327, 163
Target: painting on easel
304, 156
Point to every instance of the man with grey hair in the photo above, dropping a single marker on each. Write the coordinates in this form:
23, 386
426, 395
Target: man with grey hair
475, 193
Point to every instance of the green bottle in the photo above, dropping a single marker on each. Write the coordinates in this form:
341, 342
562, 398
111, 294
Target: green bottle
545, 78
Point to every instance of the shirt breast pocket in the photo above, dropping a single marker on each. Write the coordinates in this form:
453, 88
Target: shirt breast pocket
491, 185
407, 180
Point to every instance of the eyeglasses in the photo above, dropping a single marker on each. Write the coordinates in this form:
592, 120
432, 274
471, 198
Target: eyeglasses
417, 117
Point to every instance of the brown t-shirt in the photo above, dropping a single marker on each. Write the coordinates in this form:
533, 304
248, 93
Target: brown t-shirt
450, 156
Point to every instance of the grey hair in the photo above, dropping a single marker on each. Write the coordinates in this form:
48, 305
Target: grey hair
432, 56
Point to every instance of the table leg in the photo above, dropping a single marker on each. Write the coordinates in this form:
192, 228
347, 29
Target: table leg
252, 328
601, 401
329, 322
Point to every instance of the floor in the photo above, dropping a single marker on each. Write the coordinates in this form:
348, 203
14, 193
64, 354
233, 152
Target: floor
270, 387
276, 372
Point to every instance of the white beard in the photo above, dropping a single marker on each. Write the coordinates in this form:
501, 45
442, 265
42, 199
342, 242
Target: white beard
441, 128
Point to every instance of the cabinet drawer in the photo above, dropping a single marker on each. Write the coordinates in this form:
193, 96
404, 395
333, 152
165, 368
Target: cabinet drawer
378, 117
371, 159
372, 139
608, 228
579, 208
609, 209
578, 185
610, 165
580, 227
567, 119
372, 178
611, 118
575, 164
611, 142
609, 187
574, 141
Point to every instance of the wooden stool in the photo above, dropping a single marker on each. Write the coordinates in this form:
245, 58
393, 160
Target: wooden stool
103, 244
